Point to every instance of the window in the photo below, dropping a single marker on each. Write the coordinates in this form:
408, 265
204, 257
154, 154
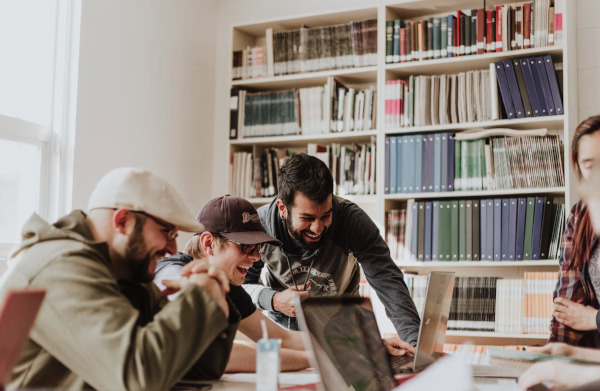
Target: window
39, 40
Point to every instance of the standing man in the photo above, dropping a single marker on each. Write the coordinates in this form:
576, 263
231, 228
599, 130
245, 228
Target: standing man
325, 238
103, 324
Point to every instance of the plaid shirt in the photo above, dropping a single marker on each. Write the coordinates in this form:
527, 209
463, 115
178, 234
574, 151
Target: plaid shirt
576, 286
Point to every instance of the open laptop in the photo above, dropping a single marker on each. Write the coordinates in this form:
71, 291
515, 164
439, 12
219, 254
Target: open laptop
17, 315
346, 347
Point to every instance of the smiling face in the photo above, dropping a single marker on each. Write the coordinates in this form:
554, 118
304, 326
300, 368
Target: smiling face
306, 221
228, 257
147, 243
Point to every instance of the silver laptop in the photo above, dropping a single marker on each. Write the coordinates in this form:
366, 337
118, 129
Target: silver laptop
345, 344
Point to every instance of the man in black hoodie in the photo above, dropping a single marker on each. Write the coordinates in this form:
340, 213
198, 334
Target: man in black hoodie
325, 239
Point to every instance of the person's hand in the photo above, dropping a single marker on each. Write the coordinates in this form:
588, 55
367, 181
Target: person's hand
284, 301
574, 315
559, 374
397, 347
554, 348
201, 266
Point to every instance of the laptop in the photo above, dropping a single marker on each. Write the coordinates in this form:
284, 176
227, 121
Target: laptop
346, 347
17, 315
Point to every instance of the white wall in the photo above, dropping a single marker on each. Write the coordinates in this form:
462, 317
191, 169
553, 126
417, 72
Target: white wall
146, 93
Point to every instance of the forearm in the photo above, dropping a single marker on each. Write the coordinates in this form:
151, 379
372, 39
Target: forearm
243, 358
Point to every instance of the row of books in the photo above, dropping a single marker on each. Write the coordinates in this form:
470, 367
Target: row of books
533, 295
477, 31
352, 168
249, 63
529, 87
333, 107
437, 162
495, 304
498, 229
439, 99
309, 49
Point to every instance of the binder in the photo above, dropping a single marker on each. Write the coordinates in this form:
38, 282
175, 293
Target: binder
444, 225
522, 87
393, 164
504, 90
454, 232
469, 230
547, 227
443, 161
490, 230
435, 233
414, 240
512, 229
421, 232
536, 236
450, 162
521, 213
483, 226
528, 228
476, 232
513, 87
462, 231
437, 162
541, 65
417, 175
504, 216
537, 82
386, 186
531, 93
558, 106
497, 229
428, 231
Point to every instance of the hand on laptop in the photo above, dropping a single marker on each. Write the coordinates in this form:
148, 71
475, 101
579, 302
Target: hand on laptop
555, 348
397, 347
284, 301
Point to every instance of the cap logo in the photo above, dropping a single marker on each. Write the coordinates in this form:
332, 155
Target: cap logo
247, 217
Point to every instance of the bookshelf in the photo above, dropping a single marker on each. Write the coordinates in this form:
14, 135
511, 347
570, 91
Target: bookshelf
380, 202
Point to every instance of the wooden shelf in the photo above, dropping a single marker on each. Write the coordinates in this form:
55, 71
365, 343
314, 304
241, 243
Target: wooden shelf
350, 76
302, 140
475, 193
451, 65
471, 264
356, 198
551, 122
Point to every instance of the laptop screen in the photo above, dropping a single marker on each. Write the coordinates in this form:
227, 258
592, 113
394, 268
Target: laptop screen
346, 343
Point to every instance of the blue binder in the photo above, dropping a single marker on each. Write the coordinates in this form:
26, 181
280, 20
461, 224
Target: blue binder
437, 162
504, 90
512, 229
483, 229
558, 106
393, 165
513, 87
541, 65
417, 177
537, 82
504, 230
521, 212
536, 237
497, 229
386, 186
535, 104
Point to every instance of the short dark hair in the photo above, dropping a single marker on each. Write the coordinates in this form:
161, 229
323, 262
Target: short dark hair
305, 174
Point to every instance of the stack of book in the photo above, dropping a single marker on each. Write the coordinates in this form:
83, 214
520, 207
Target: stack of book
439, 162
333, 107
475, 31
494, 229
352, 167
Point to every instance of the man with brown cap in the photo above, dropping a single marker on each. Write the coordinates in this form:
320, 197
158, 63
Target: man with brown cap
91, 332
232, 242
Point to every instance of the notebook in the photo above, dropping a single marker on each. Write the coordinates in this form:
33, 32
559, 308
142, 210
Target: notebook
17, 315
345, 344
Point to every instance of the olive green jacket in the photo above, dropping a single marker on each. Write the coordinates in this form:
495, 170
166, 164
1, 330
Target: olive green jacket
89, 334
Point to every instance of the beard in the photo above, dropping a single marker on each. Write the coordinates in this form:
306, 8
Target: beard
297, 234
137, 256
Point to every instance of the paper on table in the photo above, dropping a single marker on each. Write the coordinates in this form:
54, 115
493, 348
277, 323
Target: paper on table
450, 373
286, 378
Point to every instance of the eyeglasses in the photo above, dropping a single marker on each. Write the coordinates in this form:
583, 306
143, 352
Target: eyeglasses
170, 231
245, 248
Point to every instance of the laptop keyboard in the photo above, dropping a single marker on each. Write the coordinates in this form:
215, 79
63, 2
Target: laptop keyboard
398, 362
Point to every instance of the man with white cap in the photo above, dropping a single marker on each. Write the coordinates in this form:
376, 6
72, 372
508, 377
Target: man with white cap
91, 332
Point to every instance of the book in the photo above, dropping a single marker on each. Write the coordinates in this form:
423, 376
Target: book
546, 91
522, 87
530, 86
504, 90
514, 89
556, 97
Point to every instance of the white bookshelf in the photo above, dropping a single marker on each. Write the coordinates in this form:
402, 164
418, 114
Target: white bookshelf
251, 32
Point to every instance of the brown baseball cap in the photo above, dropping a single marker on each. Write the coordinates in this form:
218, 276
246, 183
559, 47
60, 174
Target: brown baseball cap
234, 218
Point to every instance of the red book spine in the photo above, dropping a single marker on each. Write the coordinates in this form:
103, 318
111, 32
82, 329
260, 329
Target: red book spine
488, 32
499, 28
480, 31
526, 26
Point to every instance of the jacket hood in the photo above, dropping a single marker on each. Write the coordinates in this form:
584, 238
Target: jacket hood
71, 226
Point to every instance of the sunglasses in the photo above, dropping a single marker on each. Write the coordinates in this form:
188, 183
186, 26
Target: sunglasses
170, 231
245, 248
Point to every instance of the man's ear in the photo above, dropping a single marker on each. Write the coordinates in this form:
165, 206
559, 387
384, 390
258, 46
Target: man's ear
120, 219
282, 209
207, 241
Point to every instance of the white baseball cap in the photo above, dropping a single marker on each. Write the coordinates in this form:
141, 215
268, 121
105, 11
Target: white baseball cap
142, 190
